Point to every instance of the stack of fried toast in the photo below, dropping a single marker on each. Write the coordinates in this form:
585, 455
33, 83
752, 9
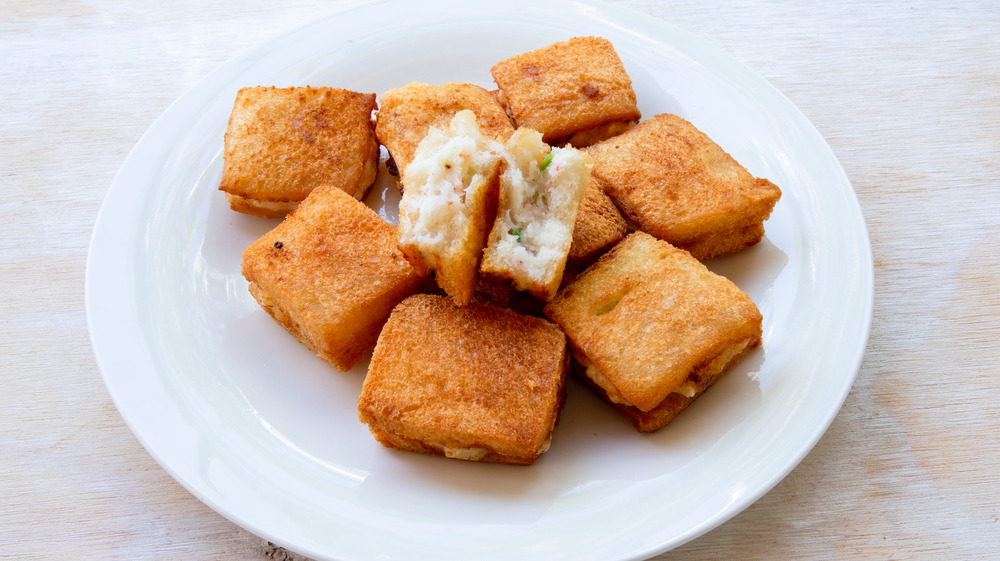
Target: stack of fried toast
541, 225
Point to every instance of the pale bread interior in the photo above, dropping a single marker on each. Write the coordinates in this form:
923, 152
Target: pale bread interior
540, 194
448, 169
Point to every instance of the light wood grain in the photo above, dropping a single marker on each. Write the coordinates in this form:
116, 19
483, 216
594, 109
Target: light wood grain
907, 95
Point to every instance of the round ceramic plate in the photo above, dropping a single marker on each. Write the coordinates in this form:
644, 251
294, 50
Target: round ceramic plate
261, 430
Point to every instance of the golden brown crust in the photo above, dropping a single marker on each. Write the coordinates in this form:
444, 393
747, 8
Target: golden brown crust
475, 382
405, 114
567, 87
598, 225
725, 242
283, 142
674, 404
646, 316
256, 207
330, 274
678, 185
593, 135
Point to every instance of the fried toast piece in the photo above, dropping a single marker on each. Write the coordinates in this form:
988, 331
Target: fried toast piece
653, 328
540, 193
678, 185
283, 142
405, 115
591, 136
598, 225
567, 87
448, 207
330, 274
474, 382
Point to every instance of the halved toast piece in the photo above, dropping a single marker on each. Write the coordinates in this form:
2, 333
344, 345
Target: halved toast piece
540, 194
449, 204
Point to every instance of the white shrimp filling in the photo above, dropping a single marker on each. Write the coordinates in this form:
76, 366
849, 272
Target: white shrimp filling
445, 165
534, 236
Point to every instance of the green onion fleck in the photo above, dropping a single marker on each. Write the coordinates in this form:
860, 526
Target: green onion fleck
545, 162
516, 232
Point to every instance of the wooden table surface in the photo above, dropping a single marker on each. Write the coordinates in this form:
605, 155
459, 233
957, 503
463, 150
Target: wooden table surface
906, 93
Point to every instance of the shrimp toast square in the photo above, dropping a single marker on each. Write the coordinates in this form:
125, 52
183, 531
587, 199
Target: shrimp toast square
540, 193
449, 204
474, 382
330, 274
648, 321
568, 87
677, 184
405, 115
283, 142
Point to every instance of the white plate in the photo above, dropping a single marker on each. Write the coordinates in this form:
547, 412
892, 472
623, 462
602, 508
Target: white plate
261, 430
